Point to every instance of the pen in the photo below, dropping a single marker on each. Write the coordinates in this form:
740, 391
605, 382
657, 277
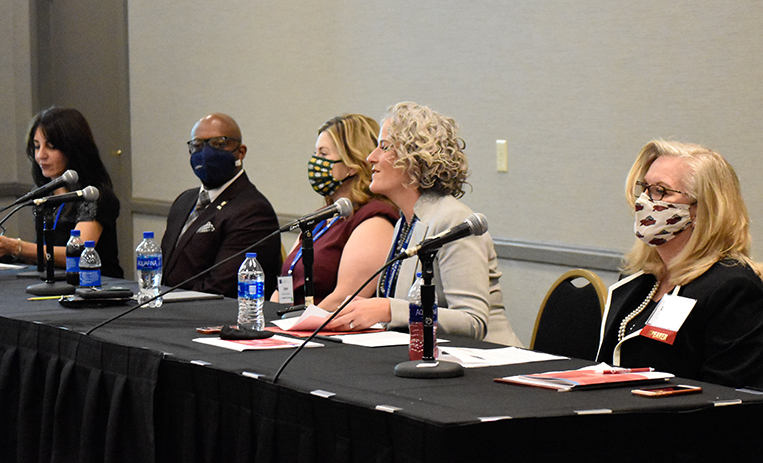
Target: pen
43, 298
620, 371
328, 338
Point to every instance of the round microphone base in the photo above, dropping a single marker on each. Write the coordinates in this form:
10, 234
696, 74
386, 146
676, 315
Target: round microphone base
429, 369
51, 289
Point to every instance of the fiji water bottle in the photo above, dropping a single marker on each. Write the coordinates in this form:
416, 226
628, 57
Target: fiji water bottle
90, 266
74, 249
251, 293
148, 256
416, 321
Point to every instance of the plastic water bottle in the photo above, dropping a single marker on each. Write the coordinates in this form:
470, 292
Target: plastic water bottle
90, 266
74, 249
251, 293
416, 321
148, 256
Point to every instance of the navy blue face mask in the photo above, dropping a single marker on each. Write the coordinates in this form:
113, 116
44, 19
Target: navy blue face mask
214, 166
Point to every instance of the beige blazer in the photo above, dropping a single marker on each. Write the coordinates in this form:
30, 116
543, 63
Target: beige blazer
469, 298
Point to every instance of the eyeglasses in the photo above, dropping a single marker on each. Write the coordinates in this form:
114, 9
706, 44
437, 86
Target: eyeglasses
655, 192
220, 143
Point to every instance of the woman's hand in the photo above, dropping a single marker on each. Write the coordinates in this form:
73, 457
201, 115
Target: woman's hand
9, 246
361, 314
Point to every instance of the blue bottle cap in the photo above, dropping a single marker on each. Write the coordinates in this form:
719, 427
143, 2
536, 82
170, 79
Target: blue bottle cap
75, 232
148, 235
251, 255
89, 244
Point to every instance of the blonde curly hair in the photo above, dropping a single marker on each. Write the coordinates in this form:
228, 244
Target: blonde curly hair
428, 149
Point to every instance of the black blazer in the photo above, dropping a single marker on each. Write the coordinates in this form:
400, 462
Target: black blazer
237, 218
721, 340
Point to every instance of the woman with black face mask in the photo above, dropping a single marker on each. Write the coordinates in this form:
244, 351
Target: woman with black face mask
347, 250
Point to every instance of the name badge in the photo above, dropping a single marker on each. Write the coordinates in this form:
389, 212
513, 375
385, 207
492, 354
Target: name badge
667, 318
285, 290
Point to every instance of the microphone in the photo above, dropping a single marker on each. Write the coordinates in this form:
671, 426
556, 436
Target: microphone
69, 179
342, 207
89, 193
475, 224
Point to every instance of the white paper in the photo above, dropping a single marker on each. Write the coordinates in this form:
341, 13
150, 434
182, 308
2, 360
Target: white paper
379, 339
11, 267
474, 358
281, 342
310, 320
184, 295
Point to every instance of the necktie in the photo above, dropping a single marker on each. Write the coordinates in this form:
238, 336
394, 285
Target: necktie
201, 204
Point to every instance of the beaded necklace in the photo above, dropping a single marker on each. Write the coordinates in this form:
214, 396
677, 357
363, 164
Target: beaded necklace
639, 309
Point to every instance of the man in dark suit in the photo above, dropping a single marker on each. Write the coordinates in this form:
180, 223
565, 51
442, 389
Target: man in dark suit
225, 215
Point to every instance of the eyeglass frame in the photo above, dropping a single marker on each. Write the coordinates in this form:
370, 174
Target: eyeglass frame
206, 141
648, 189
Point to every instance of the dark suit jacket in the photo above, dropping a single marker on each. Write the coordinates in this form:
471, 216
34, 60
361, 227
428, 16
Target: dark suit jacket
721, 341
237, 218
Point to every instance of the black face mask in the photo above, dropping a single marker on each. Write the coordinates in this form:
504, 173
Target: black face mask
214, 166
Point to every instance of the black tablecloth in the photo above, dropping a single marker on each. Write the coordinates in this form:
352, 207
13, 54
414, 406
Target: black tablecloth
139, 389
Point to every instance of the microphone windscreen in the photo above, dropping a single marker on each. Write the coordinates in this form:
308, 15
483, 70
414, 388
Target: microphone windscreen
70, 177
477, 223
90, 193
344, 207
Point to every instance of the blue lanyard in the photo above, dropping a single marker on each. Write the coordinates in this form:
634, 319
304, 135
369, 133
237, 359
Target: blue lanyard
390, 277
58, 215
317, 233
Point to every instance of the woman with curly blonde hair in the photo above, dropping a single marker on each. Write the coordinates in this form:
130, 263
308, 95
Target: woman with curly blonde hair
691, 257
420, 165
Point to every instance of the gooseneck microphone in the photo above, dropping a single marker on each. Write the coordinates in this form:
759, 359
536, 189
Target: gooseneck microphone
68, 179
342, 207
475, 224
89, 193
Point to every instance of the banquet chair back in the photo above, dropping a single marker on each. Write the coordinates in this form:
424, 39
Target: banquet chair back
569, 319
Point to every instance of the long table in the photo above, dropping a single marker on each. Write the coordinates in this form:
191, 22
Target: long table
139, 389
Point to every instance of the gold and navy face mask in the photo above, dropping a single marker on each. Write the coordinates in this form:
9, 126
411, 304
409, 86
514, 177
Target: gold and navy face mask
319, 175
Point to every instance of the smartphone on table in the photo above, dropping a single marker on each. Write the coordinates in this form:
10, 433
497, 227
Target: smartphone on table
665, 391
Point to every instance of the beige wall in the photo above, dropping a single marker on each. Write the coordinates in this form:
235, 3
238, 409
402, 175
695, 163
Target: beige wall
576, 89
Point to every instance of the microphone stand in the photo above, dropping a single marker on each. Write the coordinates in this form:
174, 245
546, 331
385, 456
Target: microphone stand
49, 287
307, 261
38, 228
308, 257
428, 367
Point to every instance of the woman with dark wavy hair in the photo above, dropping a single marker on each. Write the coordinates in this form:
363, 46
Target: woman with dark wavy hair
60, 139
420, 165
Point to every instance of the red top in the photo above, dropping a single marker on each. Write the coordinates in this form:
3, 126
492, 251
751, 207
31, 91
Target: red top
327, 251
